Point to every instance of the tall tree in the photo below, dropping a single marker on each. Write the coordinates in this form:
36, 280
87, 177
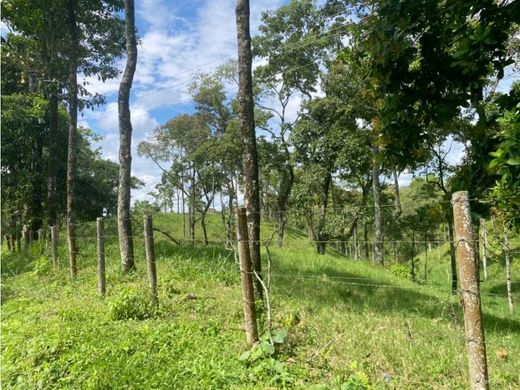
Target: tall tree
292, 41
72, 148
248, 135
378, 218
124, 224
42, 22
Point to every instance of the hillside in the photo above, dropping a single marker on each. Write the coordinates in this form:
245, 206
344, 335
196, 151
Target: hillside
349, 324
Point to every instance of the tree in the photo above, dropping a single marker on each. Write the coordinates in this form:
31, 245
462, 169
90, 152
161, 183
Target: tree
427, 59
87, 41
72, 148
505, 164
188, 143
319, 140
25, 150
442, 169
218, 111
248, 136
24, 139
293, 41
41, 23
124, 224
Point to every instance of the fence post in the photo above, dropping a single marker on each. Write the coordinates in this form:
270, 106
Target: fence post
507, 254
246, 276
483, 233
425, 258
54, 246
413, 256
26, 237
150, 255
100, 230
41, 239
470, 292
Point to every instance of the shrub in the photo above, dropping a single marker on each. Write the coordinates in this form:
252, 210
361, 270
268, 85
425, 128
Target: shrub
41, 266
131, 305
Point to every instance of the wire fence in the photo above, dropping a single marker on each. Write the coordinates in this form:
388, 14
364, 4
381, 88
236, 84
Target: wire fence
176, 231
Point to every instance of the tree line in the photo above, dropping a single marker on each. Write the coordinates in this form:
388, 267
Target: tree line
49, 168
380, 88
345, 97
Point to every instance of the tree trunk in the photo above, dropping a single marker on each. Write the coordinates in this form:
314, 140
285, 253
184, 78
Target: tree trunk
321, 245
124, 224
453, 259
356, 245
38, 185
183, 209
398, 209
507, 254
283, 198
378, 222
483, 232
247, 130
365, 239
192, 222
72, 149
412, 270
53, 156
224, 219
203, 226
230, 216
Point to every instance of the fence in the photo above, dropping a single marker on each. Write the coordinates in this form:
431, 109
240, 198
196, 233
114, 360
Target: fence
490, 243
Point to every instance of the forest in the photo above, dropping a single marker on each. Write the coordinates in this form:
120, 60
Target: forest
337, 204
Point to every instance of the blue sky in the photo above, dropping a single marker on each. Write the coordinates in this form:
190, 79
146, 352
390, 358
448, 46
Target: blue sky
177, 39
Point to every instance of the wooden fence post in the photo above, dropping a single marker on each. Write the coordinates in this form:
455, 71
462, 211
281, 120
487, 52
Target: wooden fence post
246, 276
425, 258
470, 292
100, 229
26, 237
54, 246
507, 254
41, 240
483, 234
150, 255
413, 257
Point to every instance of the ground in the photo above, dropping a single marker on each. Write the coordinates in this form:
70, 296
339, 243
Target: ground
337, 323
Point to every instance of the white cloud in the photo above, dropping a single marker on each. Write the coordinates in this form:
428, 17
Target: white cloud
105, 88
172, 48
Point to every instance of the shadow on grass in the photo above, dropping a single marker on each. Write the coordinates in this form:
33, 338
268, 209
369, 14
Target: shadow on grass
15, 263
189, 251
501, 289
293, 232
360, 293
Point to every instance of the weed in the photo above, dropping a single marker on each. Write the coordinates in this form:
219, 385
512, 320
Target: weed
132, 305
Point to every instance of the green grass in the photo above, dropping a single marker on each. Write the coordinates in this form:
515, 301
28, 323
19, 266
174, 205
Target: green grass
343, 326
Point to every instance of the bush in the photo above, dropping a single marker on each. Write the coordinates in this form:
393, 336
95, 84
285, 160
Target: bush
401, 271
131, 305
41, 266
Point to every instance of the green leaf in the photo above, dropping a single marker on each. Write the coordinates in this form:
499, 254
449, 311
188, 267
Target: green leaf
279, 336
513, 161
256, 354
267, 347
245, 356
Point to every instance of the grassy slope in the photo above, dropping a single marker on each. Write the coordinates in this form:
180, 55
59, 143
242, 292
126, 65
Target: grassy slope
58, 334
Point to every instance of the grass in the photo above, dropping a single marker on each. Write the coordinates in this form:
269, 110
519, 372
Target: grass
345, 330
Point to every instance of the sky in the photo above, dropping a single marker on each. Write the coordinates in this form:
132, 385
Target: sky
177, 39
